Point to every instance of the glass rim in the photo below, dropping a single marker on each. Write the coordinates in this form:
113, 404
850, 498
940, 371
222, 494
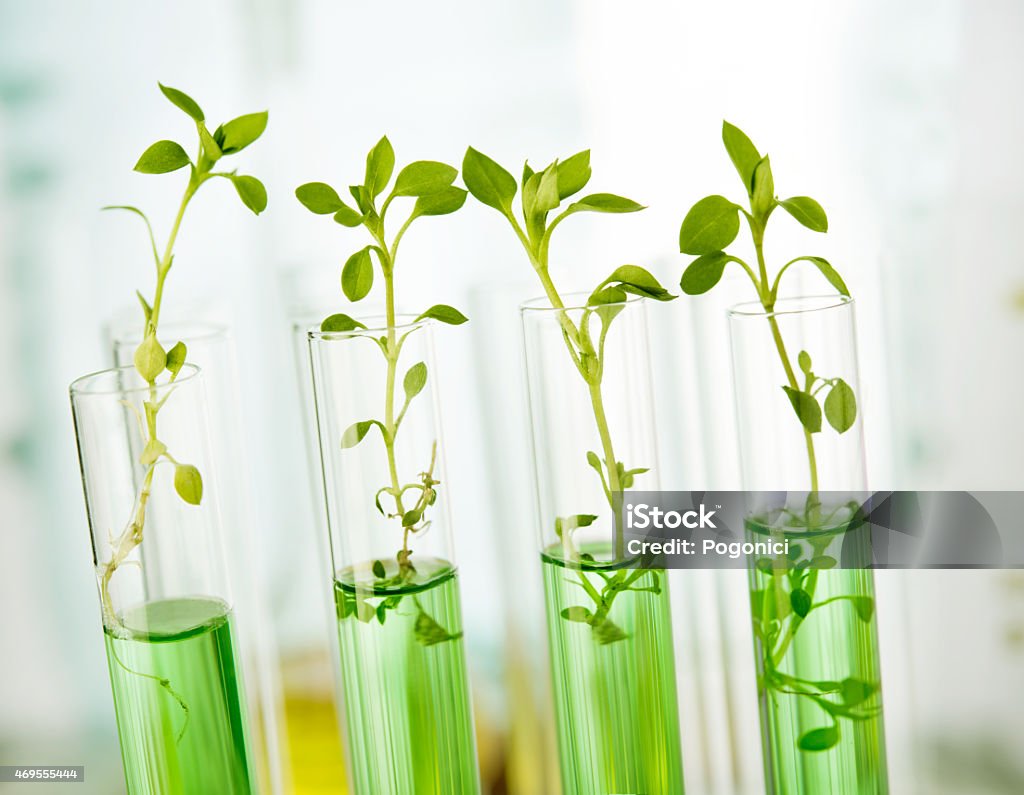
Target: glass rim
206, 330
373, 329
94, 384
540, 303
821, 303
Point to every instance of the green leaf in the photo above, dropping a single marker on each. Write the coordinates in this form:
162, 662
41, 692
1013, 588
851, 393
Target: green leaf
361, 196
147, 310
806, 407
188, 483
319, 197
710, 226
823, 562
763, 197
444, 314
830, 274
865, 607
176, 358
841, 406
357, 275
183, 101
356, 432
703, 273
424, 177
410, 518
239, 133
607, 295
819, 739
251, 192
547, 191
489, 183
150, 359
639, 281
800, 601
605, 203
445, 201
578, 614
161, 158
340, 323
429, 633
804, 360
378, 570
527, 172
211, 148
807, 211
415, 379
380, 165
742, 152
573, 174
567, 524
857, 691
152, 452
593, 460
346, 216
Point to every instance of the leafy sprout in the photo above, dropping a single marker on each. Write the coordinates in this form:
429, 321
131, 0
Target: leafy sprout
544, 204
430, 185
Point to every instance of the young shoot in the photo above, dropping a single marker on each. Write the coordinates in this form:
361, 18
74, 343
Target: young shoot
405, 500
155, 365
542, 208
784, 595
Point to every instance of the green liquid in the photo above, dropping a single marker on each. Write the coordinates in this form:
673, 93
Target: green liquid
614, 684
186, 735
408, 717
819, 681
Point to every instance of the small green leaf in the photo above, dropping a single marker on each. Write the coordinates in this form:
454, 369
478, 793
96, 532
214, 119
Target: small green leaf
363, 202
763, 197
489, 183
188, 483
239, 133
415, 379
445, 201
742, 152
593, 460
410, 518
150, 359
382, 613
710, 226
357, 275
346, 216
800, 601
378, 570
340, 323
819, 739
865, 607
152, 452
577, 613
857, 691
606, 203
841, 406
829, 273
429, 633
823, 562
424, 177
547, 191
807, 211
638, 281
607, 295
355, 433
806, 407
161, 158
176, 358
444, 314
251, 192
211, 148
183, 101
804, 360
380, 165
573, 174
703, 273
319, 197
567, 524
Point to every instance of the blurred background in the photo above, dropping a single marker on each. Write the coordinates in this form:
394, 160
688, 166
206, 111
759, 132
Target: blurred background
903, 119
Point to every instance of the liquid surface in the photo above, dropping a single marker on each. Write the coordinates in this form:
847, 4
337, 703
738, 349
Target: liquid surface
819, 683
407, 707
178, 698
614, 679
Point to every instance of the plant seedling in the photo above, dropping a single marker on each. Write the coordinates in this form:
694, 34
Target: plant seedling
544, 206
431, 186
785, 597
